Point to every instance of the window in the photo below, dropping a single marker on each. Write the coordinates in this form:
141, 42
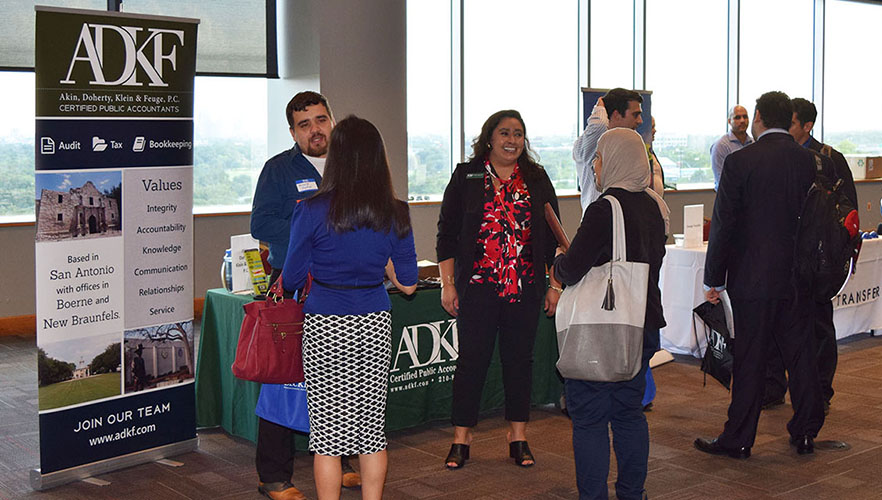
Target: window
230, 117
17, 147
229, 142
428, 99
17, 36
776, 50
698, 57
232, 34
612, 44
60, 198
510, 50
851, 123
689, 116
60, 218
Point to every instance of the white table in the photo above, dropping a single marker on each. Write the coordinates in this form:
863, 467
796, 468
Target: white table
857, 309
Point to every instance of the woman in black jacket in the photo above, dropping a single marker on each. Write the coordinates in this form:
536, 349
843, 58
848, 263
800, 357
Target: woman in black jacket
493, 249
621, 170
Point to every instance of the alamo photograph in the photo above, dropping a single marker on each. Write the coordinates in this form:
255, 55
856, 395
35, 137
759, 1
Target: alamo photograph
78, 205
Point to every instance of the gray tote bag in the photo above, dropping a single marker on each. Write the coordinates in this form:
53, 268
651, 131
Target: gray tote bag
600, 319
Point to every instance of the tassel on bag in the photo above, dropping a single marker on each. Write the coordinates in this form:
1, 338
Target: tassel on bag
609, 300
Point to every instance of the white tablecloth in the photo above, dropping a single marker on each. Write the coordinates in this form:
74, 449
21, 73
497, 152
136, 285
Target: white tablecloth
857, 309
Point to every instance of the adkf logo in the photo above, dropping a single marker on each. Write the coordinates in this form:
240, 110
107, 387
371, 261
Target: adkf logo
415, 341
95, 38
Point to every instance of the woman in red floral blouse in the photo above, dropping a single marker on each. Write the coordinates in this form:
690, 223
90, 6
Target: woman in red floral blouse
494, 248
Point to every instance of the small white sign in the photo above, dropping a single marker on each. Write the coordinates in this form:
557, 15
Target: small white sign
693, 225
241, 276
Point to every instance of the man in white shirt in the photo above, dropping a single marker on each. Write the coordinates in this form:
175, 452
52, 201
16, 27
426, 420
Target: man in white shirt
618, 108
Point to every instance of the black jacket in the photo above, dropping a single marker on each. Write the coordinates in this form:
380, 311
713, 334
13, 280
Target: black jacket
644, 236
753, 229
462, 211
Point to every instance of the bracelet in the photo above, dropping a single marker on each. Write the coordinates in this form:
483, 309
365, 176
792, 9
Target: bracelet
556, 289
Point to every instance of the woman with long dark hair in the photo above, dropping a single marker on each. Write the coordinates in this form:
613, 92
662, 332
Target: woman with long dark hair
346, 235
493, 249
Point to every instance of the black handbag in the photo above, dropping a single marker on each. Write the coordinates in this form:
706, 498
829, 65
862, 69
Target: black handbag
717, 359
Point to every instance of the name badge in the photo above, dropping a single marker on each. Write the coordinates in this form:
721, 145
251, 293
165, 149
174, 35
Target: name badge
306, 185
475, 175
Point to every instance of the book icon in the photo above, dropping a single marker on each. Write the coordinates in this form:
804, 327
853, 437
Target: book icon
47, 146
138, 146
98, 144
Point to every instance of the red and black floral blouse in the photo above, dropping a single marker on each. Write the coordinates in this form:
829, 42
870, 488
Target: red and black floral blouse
504, 253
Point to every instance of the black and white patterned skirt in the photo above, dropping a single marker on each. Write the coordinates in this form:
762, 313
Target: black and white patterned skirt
346, 364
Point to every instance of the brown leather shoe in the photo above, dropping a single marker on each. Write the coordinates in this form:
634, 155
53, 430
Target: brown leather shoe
280, 491
351, 479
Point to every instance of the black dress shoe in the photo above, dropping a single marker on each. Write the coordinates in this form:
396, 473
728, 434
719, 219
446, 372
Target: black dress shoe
804, 444
713, 447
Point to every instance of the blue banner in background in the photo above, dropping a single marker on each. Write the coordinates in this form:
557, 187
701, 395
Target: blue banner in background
114, 238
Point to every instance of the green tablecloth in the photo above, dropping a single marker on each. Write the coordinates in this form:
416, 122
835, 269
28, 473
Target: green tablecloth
424, 346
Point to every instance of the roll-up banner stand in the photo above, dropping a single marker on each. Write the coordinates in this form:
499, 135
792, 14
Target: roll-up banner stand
114, 240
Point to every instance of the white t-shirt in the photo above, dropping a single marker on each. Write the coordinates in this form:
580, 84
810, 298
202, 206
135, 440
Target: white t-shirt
318, 163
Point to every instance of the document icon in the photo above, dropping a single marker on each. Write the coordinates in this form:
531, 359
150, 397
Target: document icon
98, 144
138, 146
47, 146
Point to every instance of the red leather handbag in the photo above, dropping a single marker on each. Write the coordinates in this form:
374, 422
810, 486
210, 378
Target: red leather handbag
270, 348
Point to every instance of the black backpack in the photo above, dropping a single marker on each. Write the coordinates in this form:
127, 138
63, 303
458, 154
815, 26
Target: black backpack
827, 238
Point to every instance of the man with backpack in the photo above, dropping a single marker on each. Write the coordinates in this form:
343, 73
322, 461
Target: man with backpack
750, 254
836, 168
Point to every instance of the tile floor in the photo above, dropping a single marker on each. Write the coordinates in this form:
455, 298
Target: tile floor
223, 465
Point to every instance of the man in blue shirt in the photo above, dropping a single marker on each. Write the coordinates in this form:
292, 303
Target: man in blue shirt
291, 175
287, 178
736, 139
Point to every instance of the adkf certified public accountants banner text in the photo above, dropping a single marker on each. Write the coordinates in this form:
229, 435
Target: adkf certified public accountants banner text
114, 234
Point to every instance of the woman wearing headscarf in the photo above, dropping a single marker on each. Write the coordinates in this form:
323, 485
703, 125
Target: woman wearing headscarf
621, 170
493, 249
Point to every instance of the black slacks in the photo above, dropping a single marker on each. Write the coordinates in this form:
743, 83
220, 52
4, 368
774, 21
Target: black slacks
275, 452
483, 317
786, 324
827, 354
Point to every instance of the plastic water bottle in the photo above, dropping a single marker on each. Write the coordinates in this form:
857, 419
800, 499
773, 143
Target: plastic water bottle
227, 270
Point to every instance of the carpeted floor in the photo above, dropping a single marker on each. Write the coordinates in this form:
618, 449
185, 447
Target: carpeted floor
223, 466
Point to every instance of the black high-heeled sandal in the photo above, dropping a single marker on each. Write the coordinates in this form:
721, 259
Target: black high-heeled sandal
520, 452
458, 455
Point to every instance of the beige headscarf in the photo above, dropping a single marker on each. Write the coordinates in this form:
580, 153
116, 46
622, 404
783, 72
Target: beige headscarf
626, 166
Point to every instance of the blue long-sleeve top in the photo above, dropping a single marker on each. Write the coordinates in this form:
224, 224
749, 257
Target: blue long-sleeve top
353, 258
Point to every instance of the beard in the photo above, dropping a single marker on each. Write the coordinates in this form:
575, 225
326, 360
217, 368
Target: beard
317, 150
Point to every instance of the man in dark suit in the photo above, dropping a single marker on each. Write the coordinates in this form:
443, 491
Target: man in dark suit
752, 240
836, 168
